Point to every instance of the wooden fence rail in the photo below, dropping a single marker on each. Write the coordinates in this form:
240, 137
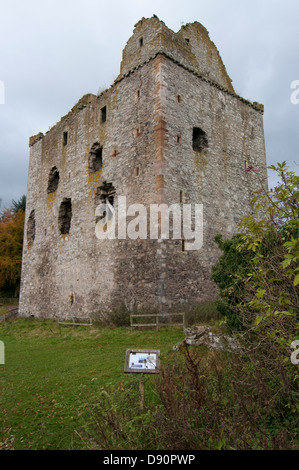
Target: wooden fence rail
73, 321
7, 300
11, 313
157, 324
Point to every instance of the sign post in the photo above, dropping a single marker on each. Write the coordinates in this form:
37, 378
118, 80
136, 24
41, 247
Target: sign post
141, 391
142, 361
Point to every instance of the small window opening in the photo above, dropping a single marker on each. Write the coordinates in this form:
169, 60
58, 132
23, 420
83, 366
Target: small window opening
104, 114
246, 164
140, 42
65, 216
182, 196
137, 171
199, 140
65, 137
178, 139
106, 192
187, 41
179, 99
95, 161
184, 246
53, 180
31, 227
138, 94
137, 132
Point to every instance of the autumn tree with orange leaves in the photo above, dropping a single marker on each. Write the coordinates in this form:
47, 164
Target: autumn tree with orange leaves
11, 244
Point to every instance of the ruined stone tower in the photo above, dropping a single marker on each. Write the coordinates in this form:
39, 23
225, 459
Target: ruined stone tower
171, 129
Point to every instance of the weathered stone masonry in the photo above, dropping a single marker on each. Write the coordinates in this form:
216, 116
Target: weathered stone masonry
169, 130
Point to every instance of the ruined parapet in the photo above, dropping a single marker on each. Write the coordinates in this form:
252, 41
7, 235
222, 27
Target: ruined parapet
191, 47
35, 138
208, 59
83, 102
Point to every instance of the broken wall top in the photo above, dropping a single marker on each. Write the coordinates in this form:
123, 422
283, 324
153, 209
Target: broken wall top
191, 47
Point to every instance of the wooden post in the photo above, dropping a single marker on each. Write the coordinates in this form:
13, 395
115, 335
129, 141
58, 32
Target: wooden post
141, 391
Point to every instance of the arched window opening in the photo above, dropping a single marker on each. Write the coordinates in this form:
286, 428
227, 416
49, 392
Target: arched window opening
53, 180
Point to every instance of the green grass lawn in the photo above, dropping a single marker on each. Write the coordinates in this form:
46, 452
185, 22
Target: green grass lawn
51, 375
3, 310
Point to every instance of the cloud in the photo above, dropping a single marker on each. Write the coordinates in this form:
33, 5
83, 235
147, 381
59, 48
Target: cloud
54, 52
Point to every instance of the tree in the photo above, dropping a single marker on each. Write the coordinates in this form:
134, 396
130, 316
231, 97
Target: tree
258, 274
258, 277
11, 244
19, 205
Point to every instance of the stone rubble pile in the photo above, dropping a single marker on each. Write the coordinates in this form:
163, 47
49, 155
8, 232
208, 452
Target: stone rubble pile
197, 335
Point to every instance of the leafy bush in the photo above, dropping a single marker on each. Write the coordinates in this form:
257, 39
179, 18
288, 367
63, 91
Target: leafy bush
258, 272
227, 402
199, 313
119, 316
230, 275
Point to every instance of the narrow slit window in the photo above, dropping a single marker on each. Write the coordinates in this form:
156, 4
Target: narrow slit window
104, 114
31, 227
137, 171
178, 139
65, 216
141, 42
137, 132
65, 138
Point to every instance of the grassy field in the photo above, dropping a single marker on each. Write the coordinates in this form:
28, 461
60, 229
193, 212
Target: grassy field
51, 375
3, 310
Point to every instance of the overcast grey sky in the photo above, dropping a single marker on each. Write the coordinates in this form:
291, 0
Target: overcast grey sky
52, 52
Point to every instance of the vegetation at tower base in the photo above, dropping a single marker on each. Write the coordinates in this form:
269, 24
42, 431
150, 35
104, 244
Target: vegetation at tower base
258, 273
11, 244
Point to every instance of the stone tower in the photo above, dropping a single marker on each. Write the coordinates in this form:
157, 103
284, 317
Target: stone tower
171, 129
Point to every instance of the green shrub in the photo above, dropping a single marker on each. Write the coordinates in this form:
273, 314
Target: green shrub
200, 313
257, 274
118, 316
